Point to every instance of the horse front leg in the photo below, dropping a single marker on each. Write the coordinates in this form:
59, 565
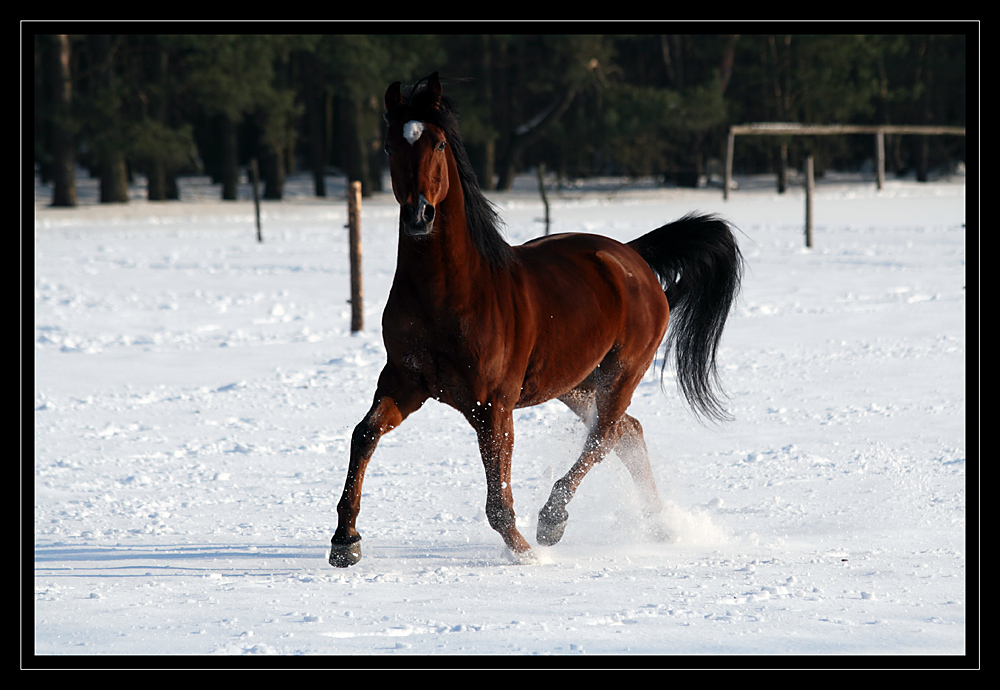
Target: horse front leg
391, 406
494, 427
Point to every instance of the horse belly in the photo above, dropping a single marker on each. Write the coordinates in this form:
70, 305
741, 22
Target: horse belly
552, 380
565, 353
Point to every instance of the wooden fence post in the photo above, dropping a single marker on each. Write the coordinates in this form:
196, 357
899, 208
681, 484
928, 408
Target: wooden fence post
254, 179
880, 159
354, 239
545, 199
809, 201
730, 142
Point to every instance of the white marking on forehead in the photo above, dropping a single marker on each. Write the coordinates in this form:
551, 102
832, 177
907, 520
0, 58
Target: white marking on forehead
412, 131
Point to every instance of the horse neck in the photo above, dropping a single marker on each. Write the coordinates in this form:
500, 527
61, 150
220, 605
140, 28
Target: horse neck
446, 263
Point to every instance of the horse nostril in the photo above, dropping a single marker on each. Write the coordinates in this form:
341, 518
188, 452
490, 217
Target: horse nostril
417, 220
419, 215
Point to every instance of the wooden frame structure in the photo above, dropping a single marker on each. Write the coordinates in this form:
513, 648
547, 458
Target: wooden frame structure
793, 129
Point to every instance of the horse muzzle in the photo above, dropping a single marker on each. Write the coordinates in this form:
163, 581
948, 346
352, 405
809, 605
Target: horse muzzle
417, 220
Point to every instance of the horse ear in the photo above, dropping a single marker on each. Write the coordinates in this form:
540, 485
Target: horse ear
393, 95
434, 89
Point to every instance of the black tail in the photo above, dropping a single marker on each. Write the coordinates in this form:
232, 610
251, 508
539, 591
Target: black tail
700, 266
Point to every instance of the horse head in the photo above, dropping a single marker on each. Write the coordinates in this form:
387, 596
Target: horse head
418, 157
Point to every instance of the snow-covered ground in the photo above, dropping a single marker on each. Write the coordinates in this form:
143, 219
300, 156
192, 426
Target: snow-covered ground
195, 392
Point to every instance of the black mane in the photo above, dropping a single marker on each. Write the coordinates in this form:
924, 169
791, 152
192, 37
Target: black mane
481, 215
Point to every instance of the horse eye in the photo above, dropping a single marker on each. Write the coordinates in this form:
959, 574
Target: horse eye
440, 147
387, 149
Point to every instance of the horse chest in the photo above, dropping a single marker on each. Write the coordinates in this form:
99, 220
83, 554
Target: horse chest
431, 354
460, 345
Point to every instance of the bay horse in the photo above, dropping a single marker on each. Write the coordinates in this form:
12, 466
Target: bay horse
488, 328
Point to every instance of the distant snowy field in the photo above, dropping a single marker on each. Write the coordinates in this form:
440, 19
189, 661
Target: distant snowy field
195, 392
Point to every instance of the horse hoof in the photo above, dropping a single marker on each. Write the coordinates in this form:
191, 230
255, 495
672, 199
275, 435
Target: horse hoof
345, 555
661, 534
551, 525
527, 557
550, 534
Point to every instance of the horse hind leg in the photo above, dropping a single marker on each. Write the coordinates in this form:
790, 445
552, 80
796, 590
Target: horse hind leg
553, 516
631, 448
628, 442
625, 437
601, 411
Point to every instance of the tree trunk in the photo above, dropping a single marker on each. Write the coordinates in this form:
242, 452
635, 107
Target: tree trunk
484, 158
156, 181
487, 165
357, 157
63, 158
315, 102
694, 163
110, 155
230, 158
673, 60
782, 166
273, 171
161, 179
527, 133
114, 178
372, 124
778, 54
